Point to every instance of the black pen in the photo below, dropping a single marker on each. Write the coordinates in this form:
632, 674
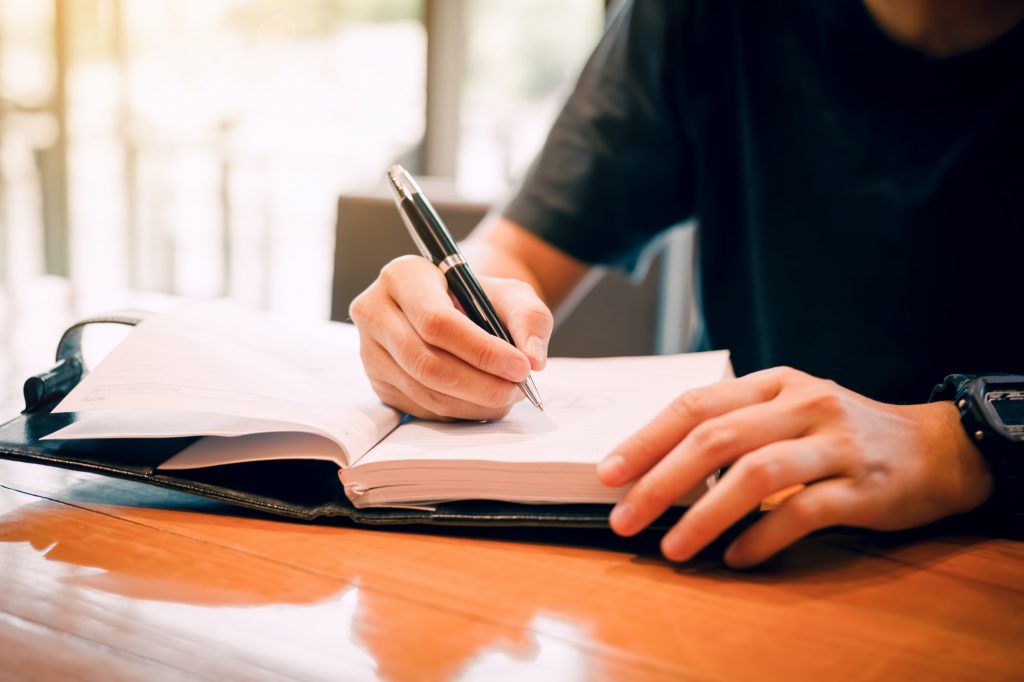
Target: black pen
435, 244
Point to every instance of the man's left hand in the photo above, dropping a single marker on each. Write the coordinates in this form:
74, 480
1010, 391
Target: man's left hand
863, 463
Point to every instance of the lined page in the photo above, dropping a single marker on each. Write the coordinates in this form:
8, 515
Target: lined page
219, 358
590, 405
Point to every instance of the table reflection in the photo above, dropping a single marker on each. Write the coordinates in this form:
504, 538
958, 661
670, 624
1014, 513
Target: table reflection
131, 587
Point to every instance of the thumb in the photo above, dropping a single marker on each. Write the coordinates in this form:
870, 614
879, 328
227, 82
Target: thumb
527, 317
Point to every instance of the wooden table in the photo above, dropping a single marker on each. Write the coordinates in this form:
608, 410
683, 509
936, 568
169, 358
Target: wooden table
113, 580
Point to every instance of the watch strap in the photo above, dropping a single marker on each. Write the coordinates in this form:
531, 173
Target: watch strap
1004, 457
951, 388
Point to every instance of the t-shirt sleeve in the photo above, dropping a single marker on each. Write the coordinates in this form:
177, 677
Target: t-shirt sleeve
616, 168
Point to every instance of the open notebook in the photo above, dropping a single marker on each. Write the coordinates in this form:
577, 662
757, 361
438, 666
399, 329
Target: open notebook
259, 389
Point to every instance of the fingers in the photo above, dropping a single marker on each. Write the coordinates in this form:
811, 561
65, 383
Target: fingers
403, 392
427, 358
420, 292
407, 361
527, 317
709, 446
828, 503
647, 446
754, 477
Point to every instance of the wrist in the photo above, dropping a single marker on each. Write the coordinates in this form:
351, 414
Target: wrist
967, 481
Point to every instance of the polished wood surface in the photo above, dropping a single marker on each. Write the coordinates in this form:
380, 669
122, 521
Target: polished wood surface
107, 579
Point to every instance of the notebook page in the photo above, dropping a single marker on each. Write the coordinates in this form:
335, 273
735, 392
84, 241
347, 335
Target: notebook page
256, 447
165, 424
590, 405
219, 358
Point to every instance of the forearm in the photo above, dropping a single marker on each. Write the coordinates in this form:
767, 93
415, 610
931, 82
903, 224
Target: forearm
494, 259
501, 248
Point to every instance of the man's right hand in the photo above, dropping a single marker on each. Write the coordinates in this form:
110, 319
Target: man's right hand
425, 357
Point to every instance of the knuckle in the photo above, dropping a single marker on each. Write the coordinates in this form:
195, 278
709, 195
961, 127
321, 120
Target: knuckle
359, 309
692, 404
394, 272
712, 439
762, 474
429, 369
873, 476
824, 401
807, 511
538, 317
851, 446
433, 326
389, 274
786, 373
484, 355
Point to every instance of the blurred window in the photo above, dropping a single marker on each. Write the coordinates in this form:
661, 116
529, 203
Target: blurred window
522, 58
207, 140
217, 142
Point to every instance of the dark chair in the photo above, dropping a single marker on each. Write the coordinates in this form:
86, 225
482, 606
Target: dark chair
617, 317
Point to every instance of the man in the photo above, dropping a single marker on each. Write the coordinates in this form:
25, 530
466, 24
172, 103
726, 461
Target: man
856, 170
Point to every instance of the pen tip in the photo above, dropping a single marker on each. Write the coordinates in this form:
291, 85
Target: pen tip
529, 389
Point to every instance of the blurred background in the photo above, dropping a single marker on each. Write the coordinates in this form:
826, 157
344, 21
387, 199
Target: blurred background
201, 148
198, 147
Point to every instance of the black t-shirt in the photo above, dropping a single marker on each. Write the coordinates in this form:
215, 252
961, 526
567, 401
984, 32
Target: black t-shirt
861, 205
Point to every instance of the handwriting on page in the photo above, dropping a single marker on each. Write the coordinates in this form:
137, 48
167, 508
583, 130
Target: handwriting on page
586, 413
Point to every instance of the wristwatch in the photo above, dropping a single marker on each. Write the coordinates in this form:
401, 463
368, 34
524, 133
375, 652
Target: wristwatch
992, 413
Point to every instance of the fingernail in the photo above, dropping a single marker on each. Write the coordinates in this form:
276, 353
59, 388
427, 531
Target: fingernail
673, 546
612, 469
537, 350
622, 518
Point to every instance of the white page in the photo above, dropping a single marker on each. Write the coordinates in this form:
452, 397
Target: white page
589, 407
222, 359
257, 447
165, 424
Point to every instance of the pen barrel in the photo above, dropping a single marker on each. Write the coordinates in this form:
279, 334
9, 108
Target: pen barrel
470, 295
428, 231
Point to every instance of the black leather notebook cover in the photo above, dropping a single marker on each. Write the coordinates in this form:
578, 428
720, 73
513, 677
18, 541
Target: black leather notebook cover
301, 489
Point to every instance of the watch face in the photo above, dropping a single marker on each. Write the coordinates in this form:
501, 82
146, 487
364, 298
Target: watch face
1008, 404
